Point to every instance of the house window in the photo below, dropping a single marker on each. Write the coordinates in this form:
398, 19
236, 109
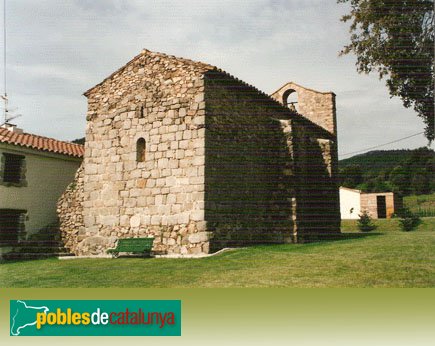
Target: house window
13, 169
11, 225
140, 150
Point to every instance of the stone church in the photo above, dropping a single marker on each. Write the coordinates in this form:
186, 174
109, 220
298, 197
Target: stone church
198, 159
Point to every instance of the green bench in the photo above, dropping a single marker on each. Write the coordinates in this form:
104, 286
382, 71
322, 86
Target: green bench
135, 245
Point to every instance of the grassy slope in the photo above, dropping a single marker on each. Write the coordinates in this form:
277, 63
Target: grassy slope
420, 202
389, 258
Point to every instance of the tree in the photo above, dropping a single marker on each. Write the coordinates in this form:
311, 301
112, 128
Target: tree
79, 141
396, 39
421, 182
365, 222
399, 177
351, 176
421, 170
408, 220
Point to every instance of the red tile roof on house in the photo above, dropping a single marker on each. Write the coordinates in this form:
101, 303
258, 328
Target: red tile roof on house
41, 143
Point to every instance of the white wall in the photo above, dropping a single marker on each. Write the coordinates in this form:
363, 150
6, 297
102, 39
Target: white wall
47, 176
350, 199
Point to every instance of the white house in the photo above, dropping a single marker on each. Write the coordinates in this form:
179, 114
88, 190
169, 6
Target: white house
34, 172
379, 205
350, 203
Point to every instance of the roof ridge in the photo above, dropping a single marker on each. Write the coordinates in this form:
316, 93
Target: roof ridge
295, 114
301, 86
190, 61
205, 66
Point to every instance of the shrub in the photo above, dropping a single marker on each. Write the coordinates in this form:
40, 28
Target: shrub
365, 222
408, 220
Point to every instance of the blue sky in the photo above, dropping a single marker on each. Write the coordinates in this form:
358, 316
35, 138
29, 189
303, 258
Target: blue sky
59, 49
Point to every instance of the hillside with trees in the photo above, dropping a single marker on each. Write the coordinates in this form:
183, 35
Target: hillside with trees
406, 172
79, 141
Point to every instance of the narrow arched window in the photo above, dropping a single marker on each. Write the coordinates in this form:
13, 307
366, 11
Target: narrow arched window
140, 111
290, 100
140, 150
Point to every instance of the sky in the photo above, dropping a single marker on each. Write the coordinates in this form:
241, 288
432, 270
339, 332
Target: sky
56, 50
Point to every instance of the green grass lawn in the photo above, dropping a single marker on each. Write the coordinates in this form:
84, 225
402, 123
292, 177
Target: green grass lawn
423, 205
384, 258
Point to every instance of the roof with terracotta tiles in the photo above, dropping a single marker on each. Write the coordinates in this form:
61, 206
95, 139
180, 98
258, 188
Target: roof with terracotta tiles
30, 141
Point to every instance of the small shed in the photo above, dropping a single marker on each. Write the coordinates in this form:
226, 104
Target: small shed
379, 205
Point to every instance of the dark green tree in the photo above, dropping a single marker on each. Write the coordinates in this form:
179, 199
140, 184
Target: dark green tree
365, 222
421, 182
351, 176
421, 170
79, 141
408, 220
396, 39
399, 178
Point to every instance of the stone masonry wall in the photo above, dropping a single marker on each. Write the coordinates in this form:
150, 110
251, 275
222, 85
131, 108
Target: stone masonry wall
249, 177
317, 209
70, 212
160, 99
320, 208
269, 172
317, 106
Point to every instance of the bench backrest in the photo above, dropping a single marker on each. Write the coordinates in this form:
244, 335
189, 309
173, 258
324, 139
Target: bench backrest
135, 244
